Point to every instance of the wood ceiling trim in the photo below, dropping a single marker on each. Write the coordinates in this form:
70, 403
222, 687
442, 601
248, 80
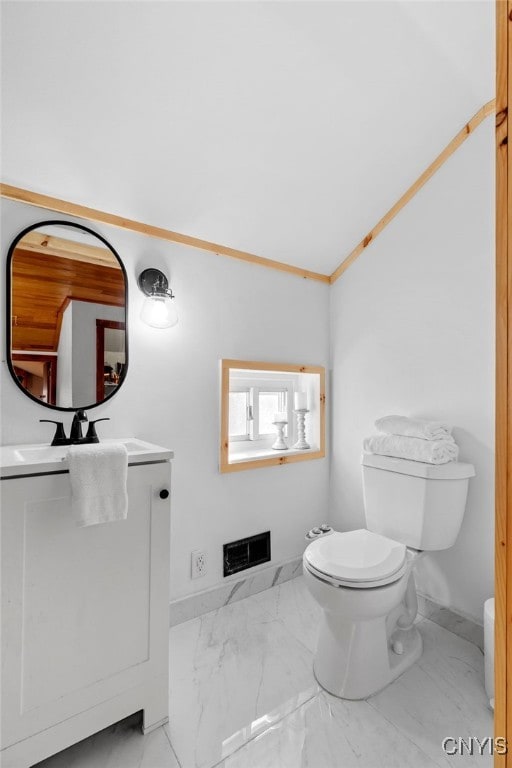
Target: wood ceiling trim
460, 138
50, 245
73, 209
93, 214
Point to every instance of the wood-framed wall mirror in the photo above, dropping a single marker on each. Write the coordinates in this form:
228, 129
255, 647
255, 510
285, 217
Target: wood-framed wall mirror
67, 296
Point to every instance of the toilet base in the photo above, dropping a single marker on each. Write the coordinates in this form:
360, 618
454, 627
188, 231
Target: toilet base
355, 660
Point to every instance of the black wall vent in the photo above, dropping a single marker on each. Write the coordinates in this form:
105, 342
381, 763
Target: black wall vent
245, 553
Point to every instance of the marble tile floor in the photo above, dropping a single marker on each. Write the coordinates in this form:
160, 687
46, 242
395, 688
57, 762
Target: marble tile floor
243, 695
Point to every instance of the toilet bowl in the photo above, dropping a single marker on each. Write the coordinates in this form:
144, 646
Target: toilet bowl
360, 580
363, 580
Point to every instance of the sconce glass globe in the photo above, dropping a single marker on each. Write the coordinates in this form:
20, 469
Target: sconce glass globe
158, 311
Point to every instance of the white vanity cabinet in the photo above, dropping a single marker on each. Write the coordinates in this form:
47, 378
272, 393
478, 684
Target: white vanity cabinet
84, 612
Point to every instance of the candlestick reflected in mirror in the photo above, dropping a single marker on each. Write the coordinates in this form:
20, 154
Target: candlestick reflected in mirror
301, 444
280, 422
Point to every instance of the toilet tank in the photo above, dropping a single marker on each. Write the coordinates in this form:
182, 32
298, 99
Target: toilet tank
420, 505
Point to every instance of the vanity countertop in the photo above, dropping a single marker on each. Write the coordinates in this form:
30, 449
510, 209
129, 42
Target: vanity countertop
16, 460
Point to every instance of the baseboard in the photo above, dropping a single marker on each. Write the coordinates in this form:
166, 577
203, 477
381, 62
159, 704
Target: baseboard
451, 620
211, 599
149, 728
233, 590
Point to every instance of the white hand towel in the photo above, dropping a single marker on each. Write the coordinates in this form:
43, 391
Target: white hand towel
403, 425
98, 474
414, 448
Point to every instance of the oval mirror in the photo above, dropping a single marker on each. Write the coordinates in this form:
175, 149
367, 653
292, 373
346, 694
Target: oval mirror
67, 342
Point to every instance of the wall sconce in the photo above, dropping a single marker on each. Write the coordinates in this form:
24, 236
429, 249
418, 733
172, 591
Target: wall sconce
158, 311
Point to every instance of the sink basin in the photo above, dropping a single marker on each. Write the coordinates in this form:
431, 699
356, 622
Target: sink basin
29, 459
41, 453
45, 453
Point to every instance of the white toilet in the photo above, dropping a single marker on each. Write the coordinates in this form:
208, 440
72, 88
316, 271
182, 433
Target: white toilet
364, 581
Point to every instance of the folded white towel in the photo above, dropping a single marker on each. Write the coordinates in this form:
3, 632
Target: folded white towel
98, 474
414, 448
403, 425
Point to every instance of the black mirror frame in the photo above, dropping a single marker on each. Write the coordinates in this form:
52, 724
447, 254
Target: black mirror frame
8, 285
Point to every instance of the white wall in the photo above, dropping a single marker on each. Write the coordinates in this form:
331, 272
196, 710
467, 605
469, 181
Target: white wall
64, 389
171, 395
85, 314
76, 353
412, 324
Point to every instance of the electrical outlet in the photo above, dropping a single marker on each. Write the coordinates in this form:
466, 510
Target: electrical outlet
198, 563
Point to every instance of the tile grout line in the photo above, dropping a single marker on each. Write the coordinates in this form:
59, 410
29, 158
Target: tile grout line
403, 732
257, 735
167, 736
446, 629
281, 622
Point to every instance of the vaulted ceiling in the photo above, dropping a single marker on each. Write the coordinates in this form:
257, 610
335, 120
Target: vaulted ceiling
286, 129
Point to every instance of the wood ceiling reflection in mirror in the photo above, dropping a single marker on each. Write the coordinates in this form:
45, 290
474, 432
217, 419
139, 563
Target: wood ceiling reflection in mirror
47, 273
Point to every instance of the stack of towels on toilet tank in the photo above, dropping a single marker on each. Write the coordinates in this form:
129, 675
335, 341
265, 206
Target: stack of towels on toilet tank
414, 439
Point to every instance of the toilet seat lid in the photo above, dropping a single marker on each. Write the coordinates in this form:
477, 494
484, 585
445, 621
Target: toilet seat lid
356, 556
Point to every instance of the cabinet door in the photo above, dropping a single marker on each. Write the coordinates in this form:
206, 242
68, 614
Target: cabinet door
84, 610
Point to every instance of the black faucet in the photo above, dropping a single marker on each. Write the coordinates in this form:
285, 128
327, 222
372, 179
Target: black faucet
75, 436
